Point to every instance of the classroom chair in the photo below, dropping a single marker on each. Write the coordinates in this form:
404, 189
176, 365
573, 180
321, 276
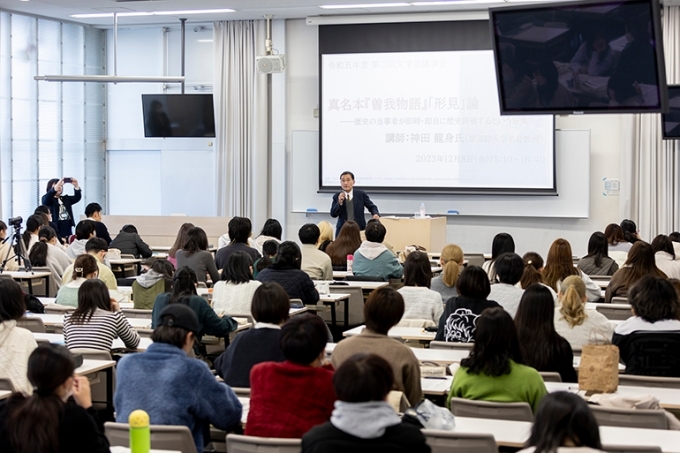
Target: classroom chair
550, 376
649, 381
619, 300
174, 438
632, 418
56, 309
356, 306
451, 345
363, 278
630, 449
237, 443
615, 313
33, 324
474, 259
136, 313
6, 384
450, 442
98, 381
521, 412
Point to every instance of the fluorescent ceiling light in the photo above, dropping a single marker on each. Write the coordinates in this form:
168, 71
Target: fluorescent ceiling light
366, 5
205, 40
454, 3
151, 13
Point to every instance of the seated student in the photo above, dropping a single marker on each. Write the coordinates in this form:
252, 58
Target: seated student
597, 261
573, 321
460, 314
373, 259
240, 229
234, 293
346, 243
179, 242
363, 421
16, 343
326, 236
382, 311
97, 248
195, 254
314, 262
171, 387
184, 292
664, 256
509, 268
640, 263
303, 379
7, 255
615, 239
564, 423
48, 253
269, 251
674, 237
93, 211
533, 270
149, 285
494, 370
420, 301
42, 209
85, 269
541, 346
451, 261
630, 231
649, 342
502, 243
129, 242
84, 231
286, 272
560, 265
97, 321
46, 421
30, 234
271, 231
270, 309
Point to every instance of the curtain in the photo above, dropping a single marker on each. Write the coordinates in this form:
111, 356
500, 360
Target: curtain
241, 104
650, 165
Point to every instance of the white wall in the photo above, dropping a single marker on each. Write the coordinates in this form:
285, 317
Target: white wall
474, 234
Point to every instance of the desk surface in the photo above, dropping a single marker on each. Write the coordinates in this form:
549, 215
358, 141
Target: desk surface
406, 333
357, 284
92, 366
668, 398
333, 297
4, 394
58, 320
120, 261
58, 338
27, 275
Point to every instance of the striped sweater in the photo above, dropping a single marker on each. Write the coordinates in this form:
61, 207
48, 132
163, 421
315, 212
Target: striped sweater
100, 331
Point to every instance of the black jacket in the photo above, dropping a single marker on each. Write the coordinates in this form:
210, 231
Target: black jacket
131, 244
360, 201
401, 438
458, 322
297, 283
650, 353
102, 231
68, 200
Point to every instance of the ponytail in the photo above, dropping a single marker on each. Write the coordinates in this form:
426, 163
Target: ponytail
573, 290
38, 254
183, 285
450, 273
26, 237
532, 273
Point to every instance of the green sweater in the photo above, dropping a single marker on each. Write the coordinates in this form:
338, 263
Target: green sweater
523, 385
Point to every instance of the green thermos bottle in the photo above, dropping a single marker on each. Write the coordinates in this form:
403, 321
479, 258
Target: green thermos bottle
140, 434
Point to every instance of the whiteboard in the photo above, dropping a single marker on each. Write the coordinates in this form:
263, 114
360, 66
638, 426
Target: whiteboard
572, 180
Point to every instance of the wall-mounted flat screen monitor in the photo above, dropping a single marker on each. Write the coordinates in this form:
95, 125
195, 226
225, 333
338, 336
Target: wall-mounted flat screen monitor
579, 57
670, 122
178, 115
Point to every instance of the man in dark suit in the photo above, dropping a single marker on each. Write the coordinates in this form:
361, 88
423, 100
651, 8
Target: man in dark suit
350, 203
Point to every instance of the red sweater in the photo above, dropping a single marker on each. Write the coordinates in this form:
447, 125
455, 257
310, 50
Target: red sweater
287, 399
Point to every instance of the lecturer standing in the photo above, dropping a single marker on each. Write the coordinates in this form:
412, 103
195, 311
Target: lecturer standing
350, 203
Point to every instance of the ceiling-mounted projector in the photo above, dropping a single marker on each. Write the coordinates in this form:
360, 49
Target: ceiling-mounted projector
270, 64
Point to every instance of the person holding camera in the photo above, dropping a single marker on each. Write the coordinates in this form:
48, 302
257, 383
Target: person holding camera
60, 205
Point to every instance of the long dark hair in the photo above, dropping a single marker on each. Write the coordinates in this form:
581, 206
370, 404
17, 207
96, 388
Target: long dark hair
496, 343
196, 241
533, 262
661, 243
598, 248
92, 294
629, 231
272, 228
535, 322
347, 242
640, 262
269, 250
238, 268
183, 285
417, 270
167, 270
38, 253
288, 256
33, 422
562, 418
33, 223
181, 239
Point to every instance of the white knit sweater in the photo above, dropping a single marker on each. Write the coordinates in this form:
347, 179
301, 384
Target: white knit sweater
16, 344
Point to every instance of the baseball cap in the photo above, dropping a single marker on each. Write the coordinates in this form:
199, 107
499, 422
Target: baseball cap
179, 315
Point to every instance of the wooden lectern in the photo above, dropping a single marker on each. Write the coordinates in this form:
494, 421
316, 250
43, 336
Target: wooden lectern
428, 232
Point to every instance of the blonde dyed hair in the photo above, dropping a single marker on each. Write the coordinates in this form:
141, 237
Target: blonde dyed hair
326, 231
572, 308
452, 259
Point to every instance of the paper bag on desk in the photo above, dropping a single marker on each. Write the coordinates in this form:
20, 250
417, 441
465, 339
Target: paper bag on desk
599, 368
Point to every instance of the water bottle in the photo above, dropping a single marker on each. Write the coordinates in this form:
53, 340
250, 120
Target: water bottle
422, 210
350, 264
140, 434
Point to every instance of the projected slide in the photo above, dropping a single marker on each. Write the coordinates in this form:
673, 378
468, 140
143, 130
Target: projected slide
428, 120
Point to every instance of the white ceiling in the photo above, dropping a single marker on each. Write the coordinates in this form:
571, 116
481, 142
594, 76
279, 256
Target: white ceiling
245, 9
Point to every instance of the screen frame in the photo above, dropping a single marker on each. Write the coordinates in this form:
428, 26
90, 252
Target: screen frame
658, 51
663, 115
177, 95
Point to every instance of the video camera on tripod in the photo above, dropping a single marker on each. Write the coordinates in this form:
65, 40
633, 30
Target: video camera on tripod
17, 246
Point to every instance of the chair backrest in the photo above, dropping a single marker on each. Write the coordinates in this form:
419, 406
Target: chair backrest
451, 345
630, 449
632, 418
6, 384
489, 409
127, 256
450, 442
474, 259
649, 381
136, 313
175, 438
619, 300
56, 309
33, 324
92, 354
237, 443
363, 278
550, 376
615, 313
356, 305
398, 401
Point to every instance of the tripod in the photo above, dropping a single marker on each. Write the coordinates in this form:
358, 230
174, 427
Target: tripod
19, 248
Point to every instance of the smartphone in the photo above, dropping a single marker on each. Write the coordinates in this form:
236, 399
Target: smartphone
68, 180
